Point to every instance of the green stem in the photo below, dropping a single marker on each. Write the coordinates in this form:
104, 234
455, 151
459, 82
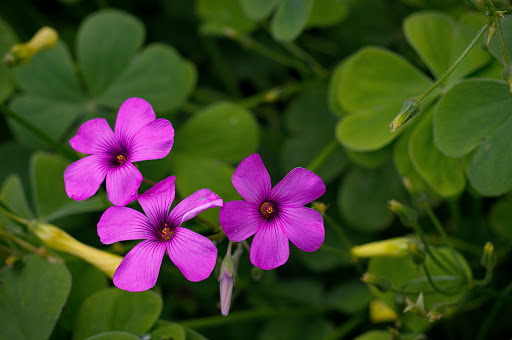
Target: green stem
484, 329
434, 286
237, 317
428, 250
12, 216
504, 51
344, 238
318, 69
345, 328
22, 243
335, 250
324, 155
447, 241
36, 131
455, 64
252, 44
269, 96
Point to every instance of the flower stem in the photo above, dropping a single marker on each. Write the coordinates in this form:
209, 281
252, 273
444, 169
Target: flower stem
318, 69
504, 51
324, 155
344, 238
22, 243
12, 216
270, 96
36, 131
454, 66
434, 286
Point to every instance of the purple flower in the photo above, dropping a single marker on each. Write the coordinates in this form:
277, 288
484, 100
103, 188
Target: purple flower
138, 136
194, 254
273, 215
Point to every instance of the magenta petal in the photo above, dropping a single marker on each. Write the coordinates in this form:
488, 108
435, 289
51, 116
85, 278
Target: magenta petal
122, 184
123, 224
193, 254
194, 204
240, 220
133, 115
300, 186
303, 226
157, 201
140, 267
94, 136
269, 248
153, 141
83, 178
251, 179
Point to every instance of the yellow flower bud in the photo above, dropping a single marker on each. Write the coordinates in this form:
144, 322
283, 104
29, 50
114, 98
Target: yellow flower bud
380, 312
58, 239
411, 108
21, 54
394, 247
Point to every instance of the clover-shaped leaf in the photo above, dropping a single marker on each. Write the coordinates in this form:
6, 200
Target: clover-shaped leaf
113, 70
220, 15
474, 115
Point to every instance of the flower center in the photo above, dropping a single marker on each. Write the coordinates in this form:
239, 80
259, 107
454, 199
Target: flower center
167, 232
121, 159
268, 210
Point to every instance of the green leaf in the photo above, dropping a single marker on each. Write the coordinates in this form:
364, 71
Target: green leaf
370, 159
310, 134
304, 291
106, 42
374, 335
113, 309
350, 297
158, 74
31, 298
439, 41
500, 218
290, 19
51, 74
169, 331
443, 174
223, 131
374, 85
363, 197
13, 196
50, 115
258, 9
219, 15
474, 115
116, 335
14, 160
468, 113
7, 40
328, 12
49, 195
86, 280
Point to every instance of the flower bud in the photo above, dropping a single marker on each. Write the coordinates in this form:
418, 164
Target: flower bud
58, 239
436, 313
416, 254
506, 74
417, 307
21, 54
410, 109
408, 216
488, 257
394, 247
320, 207
491, 31
382, 284
380, 312
226, 284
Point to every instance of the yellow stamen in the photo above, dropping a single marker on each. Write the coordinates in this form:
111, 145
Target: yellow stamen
167, 233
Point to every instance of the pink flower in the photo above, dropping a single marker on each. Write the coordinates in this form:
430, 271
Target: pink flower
138, 136
273, 215
193, 254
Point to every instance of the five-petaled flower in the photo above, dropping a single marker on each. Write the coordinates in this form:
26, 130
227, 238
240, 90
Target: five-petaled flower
194, 254
138, 136
273, 215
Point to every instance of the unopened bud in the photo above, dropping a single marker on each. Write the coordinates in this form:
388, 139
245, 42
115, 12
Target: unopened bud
394, 247
58, 239
411, 108
488, 256
408, 216
226, 284
382, 284
380, 312
506, 74
491, 31
320, 207
416, 254
21, 54
417, 307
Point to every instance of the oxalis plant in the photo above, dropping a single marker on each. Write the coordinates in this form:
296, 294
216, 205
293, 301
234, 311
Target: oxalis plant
312, 169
